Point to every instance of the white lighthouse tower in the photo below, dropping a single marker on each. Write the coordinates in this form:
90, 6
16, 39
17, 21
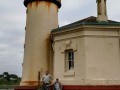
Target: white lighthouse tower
42, 17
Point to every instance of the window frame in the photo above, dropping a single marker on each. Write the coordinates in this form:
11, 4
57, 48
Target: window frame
69, 60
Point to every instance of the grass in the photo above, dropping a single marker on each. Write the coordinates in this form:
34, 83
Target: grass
8, 84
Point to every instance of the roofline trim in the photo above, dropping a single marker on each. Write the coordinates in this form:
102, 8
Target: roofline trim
85, 24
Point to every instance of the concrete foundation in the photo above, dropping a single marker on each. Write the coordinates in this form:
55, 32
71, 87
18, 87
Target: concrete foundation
74, 87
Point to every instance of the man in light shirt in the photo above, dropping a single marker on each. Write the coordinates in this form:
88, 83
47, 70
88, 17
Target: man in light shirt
46, 79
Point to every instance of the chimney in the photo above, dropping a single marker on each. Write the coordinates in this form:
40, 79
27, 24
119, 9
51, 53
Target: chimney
101, 10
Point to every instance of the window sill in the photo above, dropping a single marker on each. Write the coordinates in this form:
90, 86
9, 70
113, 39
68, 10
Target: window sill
69, 73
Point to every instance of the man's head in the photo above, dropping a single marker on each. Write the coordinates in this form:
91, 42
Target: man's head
57, 80
47, 72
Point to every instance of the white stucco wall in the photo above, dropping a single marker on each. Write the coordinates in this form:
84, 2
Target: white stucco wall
96, 52
102, 57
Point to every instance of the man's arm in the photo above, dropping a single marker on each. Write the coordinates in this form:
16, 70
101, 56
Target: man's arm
60, 85
42, 79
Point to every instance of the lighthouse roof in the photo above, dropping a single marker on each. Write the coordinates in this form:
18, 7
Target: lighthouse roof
57, 2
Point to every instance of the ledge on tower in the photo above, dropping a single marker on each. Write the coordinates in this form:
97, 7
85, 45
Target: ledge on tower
57, 2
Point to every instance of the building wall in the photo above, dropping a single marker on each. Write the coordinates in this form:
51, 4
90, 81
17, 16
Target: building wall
77, 44
96, 52
102, 57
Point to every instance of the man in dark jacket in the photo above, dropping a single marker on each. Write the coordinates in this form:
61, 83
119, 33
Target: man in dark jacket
57, 85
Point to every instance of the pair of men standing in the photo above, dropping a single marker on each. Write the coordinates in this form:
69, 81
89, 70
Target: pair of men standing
47, 81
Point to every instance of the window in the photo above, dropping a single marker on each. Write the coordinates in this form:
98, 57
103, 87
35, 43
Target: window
69, 60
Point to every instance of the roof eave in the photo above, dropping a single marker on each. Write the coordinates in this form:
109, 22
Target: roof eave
102, 25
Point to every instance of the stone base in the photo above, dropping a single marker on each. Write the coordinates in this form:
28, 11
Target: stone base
73, 87
28, 88
87, 87
25, 88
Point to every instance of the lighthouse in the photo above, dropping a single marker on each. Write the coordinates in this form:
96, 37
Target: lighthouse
83, 55
42, 17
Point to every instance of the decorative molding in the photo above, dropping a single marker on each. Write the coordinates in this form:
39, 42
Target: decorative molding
68, 45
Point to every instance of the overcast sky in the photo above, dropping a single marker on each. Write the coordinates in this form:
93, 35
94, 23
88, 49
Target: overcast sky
12, 26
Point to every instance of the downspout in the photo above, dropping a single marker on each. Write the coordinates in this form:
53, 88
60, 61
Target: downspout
119, 42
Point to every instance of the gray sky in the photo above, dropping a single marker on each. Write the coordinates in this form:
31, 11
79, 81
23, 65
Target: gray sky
12, 26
